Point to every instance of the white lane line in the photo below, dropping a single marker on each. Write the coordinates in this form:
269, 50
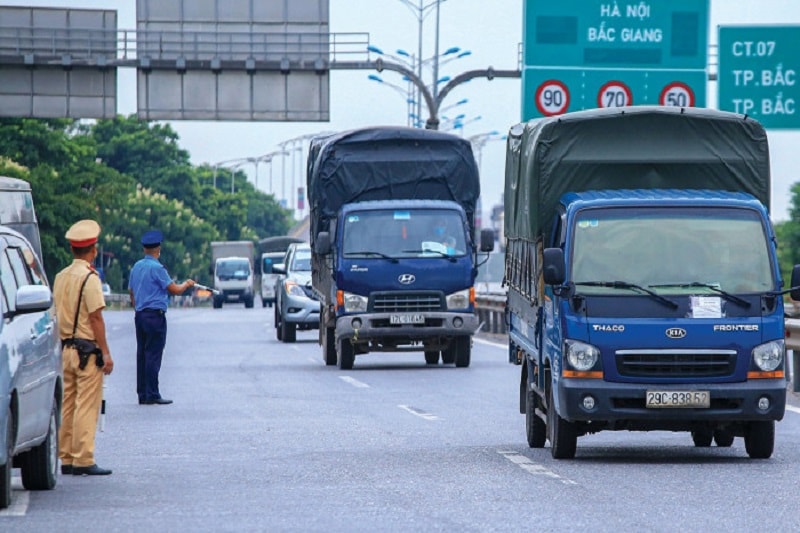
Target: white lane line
793, 409
533, 468
19, 501
489, 343
354, 382
418, 412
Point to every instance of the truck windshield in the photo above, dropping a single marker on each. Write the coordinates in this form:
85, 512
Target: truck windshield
404, 233
233, 269
672, 251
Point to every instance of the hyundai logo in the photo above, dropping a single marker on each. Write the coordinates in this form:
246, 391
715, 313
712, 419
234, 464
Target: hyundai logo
676, 333
407, 279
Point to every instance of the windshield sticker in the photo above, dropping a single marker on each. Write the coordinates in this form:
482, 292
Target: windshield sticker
706, 307
402, 215
352, 218
588, 223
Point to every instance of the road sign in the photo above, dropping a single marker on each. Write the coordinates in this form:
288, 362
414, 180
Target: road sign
552, 98
677, 94
758, 68
633, 49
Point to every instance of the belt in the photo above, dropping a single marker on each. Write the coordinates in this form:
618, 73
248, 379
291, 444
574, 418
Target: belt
149, 310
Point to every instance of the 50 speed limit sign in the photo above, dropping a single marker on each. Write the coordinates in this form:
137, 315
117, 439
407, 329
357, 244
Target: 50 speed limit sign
614, 94
677, 94
552, 98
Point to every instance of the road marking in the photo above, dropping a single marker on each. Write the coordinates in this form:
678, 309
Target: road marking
354, 382
533, 468
489, 343
19, 500
419, 412
793, 409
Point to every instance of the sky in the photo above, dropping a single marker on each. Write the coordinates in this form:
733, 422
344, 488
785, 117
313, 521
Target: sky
490, 29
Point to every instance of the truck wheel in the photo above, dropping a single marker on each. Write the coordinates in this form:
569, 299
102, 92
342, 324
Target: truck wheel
449, 355
535, 428
217, 303
346, 354
39, 464
723, 438
562, 434
759, 439
702, 437
329, 346
248, 303
288, 331
263, 302
463, 351
5, 470
431, 358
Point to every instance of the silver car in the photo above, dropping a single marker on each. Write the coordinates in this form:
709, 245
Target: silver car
30, 369
296, 306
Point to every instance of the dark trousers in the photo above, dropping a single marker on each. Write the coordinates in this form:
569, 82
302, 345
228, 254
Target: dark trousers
151, 337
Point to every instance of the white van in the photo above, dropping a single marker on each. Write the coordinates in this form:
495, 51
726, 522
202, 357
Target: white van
269, 279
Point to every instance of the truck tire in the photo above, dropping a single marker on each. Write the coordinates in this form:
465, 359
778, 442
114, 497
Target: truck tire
288, 331
345, 354
535, 428
562, 434
217, 303
463, 351
40, 463
723, 438
759, 439
431, 358
329, 346
449, 355
702, 437
248, 303
5, 470
263, 302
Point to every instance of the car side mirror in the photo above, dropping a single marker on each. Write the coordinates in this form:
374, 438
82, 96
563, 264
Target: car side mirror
553, 266
487, 240
322, 245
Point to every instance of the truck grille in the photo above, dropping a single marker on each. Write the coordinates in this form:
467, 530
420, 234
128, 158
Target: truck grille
407, 302
673, 364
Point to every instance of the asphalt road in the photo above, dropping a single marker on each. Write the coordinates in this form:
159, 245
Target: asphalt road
264, 437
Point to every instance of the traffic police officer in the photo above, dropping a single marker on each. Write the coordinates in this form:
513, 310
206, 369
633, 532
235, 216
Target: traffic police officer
150, 285
78, 298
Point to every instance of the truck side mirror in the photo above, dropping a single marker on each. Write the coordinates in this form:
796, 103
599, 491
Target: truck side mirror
794, 294
487, 240
322, 245
553, 266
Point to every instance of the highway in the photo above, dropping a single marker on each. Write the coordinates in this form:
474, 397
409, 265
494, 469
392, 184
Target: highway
264, 437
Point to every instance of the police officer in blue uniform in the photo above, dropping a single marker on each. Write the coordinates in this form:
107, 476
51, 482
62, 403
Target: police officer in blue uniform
149, 286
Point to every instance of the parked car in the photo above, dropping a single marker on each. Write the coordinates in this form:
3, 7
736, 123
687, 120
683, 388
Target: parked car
296, 306
30, 369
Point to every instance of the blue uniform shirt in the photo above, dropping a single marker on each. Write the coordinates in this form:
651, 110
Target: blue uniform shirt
149, 280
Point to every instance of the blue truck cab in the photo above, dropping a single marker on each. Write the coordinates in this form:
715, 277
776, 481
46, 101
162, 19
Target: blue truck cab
394, 260
653, 308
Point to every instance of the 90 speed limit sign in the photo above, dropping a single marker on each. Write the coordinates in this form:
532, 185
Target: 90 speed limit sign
614, 94
552, 98
677, 94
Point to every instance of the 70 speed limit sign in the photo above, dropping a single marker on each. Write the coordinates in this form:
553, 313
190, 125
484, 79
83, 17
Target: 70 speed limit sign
677, 94
552, 98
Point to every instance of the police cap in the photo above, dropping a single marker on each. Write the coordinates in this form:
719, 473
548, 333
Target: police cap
152, 238
83, 233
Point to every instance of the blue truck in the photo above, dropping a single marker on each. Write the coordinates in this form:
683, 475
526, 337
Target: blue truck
644, 291
394, 257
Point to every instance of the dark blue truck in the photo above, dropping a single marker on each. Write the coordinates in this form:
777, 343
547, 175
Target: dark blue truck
644, 286
393, 253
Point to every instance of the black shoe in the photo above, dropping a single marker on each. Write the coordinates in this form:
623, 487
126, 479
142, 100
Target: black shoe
158, 401
93, 470
66, 469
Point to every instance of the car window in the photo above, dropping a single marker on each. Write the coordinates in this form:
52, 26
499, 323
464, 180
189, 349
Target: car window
8, 282
30, 269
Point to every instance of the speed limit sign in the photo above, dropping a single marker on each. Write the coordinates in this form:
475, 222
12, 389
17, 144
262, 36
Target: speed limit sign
614, 94
552, 98
677, 94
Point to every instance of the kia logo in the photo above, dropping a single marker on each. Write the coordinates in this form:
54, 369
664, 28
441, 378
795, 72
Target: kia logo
407, 279
676, 333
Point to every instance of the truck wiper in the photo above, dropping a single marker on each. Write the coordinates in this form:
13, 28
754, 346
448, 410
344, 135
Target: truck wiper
632, 286
442, 254
728, 296
369, 252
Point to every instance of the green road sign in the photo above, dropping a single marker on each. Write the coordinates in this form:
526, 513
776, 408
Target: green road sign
758, 68
613, 53
548, 92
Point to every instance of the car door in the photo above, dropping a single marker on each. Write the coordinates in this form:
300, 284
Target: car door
36, 342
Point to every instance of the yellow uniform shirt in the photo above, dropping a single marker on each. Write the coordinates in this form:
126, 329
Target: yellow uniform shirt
66, 289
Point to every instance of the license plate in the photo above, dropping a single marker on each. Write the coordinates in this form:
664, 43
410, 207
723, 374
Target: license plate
406, 319
674, 398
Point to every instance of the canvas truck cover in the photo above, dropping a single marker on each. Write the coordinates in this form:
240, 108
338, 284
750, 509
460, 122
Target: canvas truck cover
640, 147
381, 163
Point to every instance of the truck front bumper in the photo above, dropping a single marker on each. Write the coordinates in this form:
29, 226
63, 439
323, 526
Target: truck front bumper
368, 326
614, 402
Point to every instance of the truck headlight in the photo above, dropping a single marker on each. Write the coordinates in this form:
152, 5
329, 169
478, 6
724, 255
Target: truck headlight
458, 300
353, 303
581, 356
293, 289
769, 356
